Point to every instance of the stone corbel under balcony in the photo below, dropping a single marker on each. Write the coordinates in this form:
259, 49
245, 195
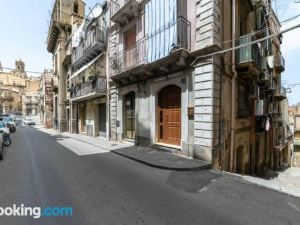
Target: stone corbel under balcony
122, 14
53, 35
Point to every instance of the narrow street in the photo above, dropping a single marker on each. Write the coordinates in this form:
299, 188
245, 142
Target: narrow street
110, 189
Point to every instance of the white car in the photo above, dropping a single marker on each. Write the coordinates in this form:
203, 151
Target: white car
3, 128
29, 121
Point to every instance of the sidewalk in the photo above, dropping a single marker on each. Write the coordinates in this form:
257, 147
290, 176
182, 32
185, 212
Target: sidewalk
86, 145
287, 181
161, 159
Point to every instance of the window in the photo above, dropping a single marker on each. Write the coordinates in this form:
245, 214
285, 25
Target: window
1, 81
75, 7
243, 101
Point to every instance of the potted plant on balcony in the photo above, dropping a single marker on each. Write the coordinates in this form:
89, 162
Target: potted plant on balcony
116, 65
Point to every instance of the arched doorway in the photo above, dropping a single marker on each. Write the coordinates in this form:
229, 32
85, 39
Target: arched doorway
129, 115
169, 115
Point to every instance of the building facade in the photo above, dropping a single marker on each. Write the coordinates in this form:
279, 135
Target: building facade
200, 78
87, 84
15, 85
31, 98
46, 98
65, 16
150, 77
171, 88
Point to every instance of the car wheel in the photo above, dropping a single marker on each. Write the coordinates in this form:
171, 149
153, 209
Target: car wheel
6, 142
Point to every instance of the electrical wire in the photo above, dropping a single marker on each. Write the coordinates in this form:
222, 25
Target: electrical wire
246, 44
27, 71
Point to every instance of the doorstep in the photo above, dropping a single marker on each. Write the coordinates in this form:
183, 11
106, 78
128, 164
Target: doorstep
162, 159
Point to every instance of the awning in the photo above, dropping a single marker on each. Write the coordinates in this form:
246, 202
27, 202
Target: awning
86, 66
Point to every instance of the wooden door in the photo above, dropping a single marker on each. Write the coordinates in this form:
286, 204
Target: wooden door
169, 115
129, 115
130, 48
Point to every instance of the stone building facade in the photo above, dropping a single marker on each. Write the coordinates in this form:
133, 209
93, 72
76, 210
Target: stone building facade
15, 85
46, 98
65, 16
31, 98
192, 77
171, 88
87, 84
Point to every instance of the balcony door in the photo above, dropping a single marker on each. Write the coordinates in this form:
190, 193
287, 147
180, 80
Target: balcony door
129, 115
169, 115
130, 49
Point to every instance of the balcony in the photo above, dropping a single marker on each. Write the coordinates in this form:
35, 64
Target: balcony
146, 58
59, 20
30, 103
281, 95
90, 89
280, 64
248, 57
271, 87
123, 11
68, 53
90, 47
8, 98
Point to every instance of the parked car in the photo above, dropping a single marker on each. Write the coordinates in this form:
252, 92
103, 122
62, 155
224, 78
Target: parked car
1, 146
10, 123
29, 121
5, 134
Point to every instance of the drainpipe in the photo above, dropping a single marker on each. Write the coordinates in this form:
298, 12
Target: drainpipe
108, 97
233, 84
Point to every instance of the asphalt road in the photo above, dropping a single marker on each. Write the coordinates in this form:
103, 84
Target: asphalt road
108, 189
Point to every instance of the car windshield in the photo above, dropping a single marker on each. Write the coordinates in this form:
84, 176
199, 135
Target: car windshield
2, 125
8, 119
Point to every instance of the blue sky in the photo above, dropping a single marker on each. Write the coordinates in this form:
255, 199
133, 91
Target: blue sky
24, 24
23, 32
290, 47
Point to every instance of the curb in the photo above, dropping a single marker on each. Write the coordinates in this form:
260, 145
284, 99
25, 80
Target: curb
205, 167
282, 191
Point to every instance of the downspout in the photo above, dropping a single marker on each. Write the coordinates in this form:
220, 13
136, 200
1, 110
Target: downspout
108, 97
233, 84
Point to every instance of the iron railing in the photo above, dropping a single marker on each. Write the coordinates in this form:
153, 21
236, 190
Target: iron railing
92, 38
249, 52
283, 91
92, 86
139, 54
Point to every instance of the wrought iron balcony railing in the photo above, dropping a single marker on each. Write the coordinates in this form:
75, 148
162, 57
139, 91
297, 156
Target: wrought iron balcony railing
144, 50
8, 98
92, 44
98, 85
248, 55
